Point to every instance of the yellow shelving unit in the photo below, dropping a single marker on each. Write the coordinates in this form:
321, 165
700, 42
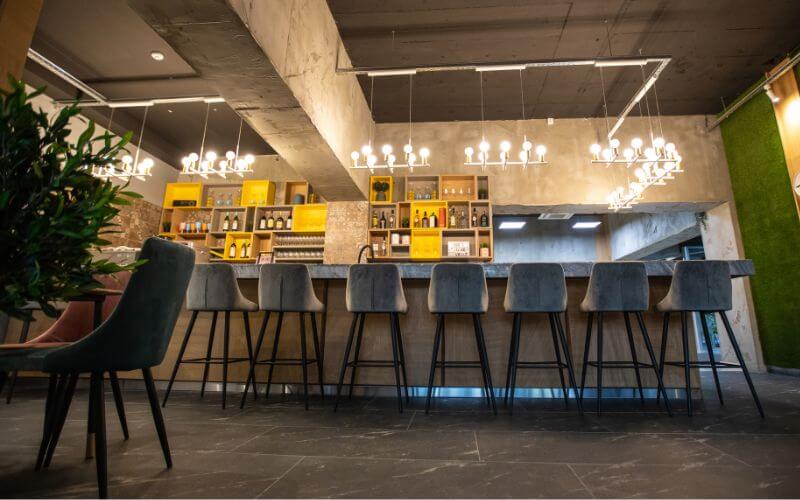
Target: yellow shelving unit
239, 238
373, 194
190, 191
309, 218
257, 193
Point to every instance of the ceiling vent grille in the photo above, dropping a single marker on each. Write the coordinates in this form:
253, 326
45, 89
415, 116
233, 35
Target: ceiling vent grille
555, 216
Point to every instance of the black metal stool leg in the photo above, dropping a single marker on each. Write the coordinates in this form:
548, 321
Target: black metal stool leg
568, 358
434, 358
180, 355
274, 353
248, 339
354, 368
661, 365
318, 355
345, 360
225, 348
634, 358
739, 356
480, 358
395, 362
208, 352
402, 354
510, 361
712, 361
586, 346
119, 403
304, 355
158, 418
512, 383
652, 356
251, 377
99, 427
485, 363
558, 359
60, 416
55, 388
23, 336
687, 372
599, 361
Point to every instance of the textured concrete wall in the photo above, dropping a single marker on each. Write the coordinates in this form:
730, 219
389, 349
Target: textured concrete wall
345, 231
544, 241
634, 236
136, 223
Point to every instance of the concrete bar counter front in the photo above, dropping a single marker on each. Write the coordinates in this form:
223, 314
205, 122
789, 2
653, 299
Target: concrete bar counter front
418, 328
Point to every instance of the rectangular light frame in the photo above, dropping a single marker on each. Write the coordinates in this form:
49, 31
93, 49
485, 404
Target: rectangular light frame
586, 224
512, 224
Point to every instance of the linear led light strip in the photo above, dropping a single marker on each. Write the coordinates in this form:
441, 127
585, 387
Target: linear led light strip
647, 176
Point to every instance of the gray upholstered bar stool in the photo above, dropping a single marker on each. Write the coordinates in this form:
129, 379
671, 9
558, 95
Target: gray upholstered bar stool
213, 288
702, 287
459, 289
538, 288
375, 289
618, 287
287, 288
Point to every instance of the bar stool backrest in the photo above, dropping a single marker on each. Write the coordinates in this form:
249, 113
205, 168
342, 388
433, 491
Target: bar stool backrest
536, 287
287, 288
375, 288
617, 286
701, 285
137, 333
458, 288
213, 287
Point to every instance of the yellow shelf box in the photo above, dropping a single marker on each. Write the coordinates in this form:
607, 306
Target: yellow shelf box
309, 218
257, 193
426, 244
183, 191
373, 194
239, 238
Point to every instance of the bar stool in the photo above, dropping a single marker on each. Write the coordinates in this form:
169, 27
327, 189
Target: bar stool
618, 287
703, 287
286, 288
375, 289
538, 288
214, 289
459, 289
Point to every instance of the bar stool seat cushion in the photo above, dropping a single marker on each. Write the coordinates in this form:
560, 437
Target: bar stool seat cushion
699, 285
375, 288
214, 288
287, 288
617, 286
538, 287
458, 288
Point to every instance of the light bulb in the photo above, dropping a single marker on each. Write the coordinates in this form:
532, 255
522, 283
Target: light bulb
211, 156
193, 157
469, 151
505, 146
230, 155
658, 171
185, 161
595, 149
607, 154
482, 156
223, 164
628, 154
386, 149
483, 146
637, 143
391, 159
670, 147
147, 162
614, 143
366, 150
249, 159
651, 154
424, 153
639, 173
527, 146
204, 164
412, 158
127, 159
407, 149
669, 166
523, 156
541, 150
658, 142
355, 156
371, 159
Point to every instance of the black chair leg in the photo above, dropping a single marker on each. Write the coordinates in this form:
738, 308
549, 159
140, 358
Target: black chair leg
99, 428
396, 362
587, 344
23, 336
345, 360
712, 361
55, 388
158, 418
651, 353
251, 376
354, 368
119, 403
486, 393
402, 355
3, 378
249, 340
687, 372
304, 356
274, 354
661, 365
510, 361
180, 355
512, 383
208, 352
442, 370
568, 358
739, 356
434, 358
634, 357
318, 354
485, 361
60, 416
599, 361
225, 349
557, 350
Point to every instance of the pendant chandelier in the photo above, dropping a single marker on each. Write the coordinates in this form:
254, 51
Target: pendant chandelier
655, 163
205, 163
128, 167
527, 154
367, 159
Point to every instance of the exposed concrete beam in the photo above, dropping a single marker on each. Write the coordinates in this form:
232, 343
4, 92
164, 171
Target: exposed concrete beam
269, 61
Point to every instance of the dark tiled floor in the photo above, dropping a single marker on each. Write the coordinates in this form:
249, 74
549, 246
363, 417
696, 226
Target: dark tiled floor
461, 450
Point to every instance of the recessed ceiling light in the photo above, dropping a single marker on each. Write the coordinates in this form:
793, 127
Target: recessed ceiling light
512, 224
157, 56
586, 224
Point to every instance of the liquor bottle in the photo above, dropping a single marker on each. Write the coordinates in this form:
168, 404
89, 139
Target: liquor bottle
374, 218
452, 217
204, 227
391, 219
262, 223
232, 251
484, 219
249, 251
441, 219
462, 223
383, 246
382, 223
416, 219
279, 223
271, 222
235, 223
226, 224
433, 222
474, 217
289, 222
425, 220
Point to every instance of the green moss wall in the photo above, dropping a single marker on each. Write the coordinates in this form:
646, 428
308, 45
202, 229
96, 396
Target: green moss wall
769, 225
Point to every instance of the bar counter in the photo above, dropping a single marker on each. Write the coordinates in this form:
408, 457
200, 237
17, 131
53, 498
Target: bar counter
418, 330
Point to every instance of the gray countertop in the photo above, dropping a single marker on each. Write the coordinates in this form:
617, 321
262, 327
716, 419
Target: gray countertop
413, 270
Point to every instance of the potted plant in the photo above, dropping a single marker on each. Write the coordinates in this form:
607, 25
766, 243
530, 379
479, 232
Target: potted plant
405, 222
54, 213
380, 188
484, 250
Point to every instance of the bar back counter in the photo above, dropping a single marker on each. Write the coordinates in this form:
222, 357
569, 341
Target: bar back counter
418, 327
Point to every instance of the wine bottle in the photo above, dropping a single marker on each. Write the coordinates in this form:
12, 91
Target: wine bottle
243, 251
271, 222
226, 223
279, 223
416, 219
235, 223
484, 219
383, 246
382, 223
425, 220
374, 218
262, 223
474, 217
453, 217
391, 219
289, 222
462, 223
232, 251
432, 222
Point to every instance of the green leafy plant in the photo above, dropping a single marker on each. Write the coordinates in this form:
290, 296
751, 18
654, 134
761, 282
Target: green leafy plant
53, 212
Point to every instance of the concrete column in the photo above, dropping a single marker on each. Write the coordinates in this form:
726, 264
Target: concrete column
18, 20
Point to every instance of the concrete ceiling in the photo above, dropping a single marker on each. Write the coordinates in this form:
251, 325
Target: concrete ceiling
719, 48
106, 45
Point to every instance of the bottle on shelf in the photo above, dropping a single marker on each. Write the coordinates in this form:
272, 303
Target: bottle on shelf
279, 222
262, 223
235, 223
462, 223
243, 251
425, 220
433, 221
383, 246
453, 222
271, 221
374, 219
289, 222
484, 219
382, 222
226, 223
474, 221
391, 219
416, 219
232, 251
441, 220
249, 251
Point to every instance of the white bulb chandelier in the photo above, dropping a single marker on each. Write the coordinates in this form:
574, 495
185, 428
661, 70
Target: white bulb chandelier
527, 154
369, 160
208, 163
128, 167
